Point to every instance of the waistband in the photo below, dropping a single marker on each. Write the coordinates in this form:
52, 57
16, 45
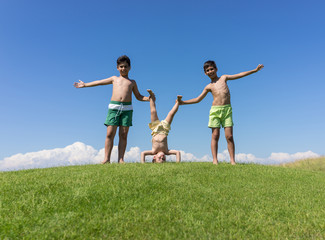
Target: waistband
221, 106
124, 103
120, 106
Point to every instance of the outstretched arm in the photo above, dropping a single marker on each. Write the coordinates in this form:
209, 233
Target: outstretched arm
244, 74
177, 153
195, 100
137, 94
144, 154
105, 81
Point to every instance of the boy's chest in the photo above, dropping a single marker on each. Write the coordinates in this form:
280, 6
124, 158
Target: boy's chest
123, 83
219, 87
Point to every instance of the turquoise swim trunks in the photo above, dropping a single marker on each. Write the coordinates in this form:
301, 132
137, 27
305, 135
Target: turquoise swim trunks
119, 114
220, 116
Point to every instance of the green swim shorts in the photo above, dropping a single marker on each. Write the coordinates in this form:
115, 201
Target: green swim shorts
119, 114
220, 116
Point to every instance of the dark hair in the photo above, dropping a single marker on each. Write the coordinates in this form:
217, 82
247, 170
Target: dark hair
123, 58
209, 63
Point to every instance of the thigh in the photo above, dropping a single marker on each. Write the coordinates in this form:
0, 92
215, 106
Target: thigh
226, 120
126, 119
112, 118
154, 116
214, 121
228, 131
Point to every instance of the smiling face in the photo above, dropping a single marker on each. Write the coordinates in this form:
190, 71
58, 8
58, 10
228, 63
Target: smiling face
211, 71
123, 68
159, 158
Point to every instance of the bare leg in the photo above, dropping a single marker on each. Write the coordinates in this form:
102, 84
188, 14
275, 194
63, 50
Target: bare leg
214, 144
123, 135
153, 110
173, 111
231, 144
111, 130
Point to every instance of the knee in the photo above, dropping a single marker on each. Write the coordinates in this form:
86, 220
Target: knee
215, 136
110, 135
229, 138
123, 135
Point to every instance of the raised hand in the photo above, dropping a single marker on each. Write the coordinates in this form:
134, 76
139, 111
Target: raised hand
259, 67
79, 84
152, 95
179, 99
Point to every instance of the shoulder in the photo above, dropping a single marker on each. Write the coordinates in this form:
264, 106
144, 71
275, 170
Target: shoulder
113, 78
224, 77
208, 87
133, 82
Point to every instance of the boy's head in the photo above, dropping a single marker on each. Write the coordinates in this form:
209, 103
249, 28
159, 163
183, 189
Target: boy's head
210, 68
123, 65
209, 63
159, 158
122, 59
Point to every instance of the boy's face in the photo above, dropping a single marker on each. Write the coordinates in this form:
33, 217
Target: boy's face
123, 68
211, 71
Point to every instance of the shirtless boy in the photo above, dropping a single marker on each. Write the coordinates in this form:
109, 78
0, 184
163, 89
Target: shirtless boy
160, 130
120, 108
221, 110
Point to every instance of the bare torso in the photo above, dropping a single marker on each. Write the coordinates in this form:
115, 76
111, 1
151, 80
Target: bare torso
159, 144
220, 92
122, 89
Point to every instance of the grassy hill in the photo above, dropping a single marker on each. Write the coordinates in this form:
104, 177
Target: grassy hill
314, 164
163, 201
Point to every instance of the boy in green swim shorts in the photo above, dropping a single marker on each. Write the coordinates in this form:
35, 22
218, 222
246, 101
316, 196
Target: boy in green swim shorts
120, 108
221, 110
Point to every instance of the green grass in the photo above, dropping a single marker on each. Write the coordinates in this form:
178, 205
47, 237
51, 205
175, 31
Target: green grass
314, 164
162, 201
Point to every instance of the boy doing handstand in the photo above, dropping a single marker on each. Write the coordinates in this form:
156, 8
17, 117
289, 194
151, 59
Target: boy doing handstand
221, 110
120, 108
160, 130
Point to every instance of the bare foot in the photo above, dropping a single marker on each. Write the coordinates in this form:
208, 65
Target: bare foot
232, 163
105, 161
121, 162
152, 95
215, 162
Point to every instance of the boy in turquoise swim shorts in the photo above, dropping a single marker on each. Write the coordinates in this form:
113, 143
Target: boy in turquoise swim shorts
120, 108
221, 110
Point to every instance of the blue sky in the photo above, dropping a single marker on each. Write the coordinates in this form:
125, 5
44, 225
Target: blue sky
45, 46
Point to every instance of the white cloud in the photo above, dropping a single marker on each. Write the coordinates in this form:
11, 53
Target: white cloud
76, 154
277, 158
79, 153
